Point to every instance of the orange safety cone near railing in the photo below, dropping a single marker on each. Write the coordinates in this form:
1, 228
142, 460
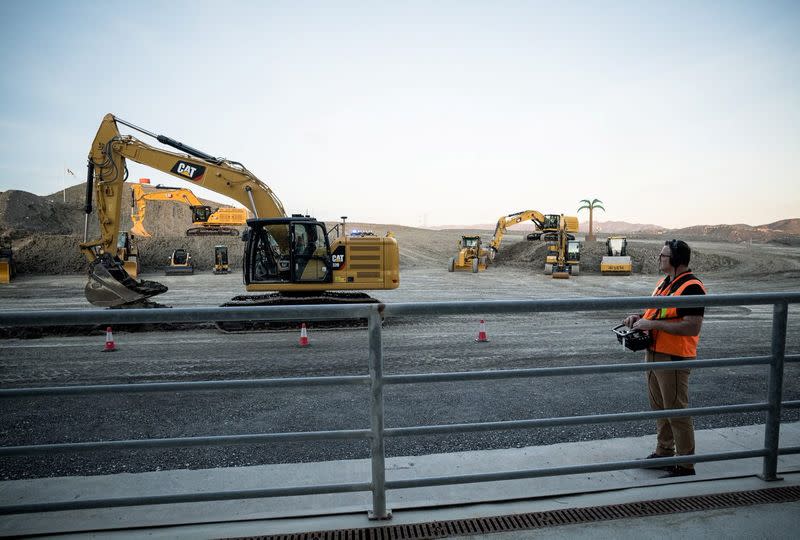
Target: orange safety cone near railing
303, 335
482, 333
110, 346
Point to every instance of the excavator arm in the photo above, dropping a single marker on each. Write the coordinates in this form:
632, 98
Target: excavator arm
512, 219
107, 158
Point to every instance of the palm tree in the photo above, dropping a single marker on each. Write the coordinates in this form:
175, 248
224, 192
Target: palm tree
591, 205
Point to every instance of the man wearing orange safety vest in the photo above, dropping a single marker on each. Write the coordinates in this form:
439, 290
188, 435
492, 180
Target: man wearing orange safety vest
675, 333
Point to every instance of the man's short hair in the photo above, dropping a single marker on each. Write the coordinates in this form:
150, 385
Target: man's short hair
680, 253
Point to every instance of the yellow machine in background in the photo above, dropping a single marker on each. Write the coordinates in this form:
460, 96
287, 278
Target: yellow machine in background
221, 260
616, 261
8, 269
291, 255
205, 221
128, 253
563, 251
179, 263
472, 256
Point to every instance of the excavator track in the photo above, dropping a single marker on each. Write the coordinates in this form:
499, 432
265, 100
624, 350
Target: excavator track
278, 299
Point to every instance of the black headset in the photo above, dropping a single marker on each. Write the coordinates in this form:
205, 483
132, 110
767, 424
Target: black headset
675, 259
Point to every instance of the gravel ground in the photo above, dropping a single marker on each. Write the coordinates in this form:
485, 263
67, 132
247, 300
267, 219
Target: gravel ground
410, 346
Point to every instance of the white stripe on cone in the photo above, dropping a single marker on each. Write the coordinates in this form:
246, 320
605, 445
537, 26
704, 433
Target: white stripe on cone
110, 345
303, 335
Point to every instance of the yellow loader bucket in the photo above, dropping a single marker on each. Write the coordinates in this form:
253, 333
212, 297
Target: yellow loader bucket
5, 272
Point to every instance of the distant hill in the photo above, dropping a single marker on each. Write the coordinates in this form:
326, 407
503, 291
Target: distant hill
619, 227
785, 231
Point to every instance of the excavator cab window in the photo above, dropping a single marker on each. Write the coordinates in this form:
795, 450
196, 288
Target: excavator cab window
551, 222
573, 251
201, 213
310, 253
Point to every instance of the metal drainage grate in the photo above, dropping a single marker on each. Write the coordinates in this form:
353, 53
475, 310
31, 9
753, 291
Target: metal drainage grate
552, 518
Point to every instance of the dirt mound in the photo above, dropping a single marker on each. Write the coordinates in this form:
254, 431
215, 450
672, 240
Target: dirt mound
23, 213
644, 257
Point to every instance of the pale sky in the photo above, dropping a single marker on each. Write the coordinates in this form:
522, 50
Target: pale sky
426, 112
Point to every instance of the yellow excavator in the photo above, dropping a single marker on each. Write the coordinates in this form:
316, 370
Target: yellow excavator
205, 221
291, 255
545, 224
471, 255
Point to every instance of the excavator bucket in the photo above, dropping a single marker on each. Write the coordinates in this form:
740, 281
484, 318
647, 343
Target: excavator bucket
110, 286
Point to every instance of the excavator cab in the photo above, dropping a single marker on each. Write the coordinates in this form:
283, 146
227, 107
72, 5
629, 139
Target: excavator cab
201, 213
288, 250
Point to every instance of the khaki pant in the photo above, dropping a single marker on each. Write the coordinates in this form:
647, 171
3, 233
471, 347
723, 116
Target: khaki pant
669, 389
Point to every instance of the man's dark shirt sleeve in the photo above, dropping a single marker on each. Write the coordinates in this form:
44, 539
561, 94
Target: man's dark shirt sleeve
692, 289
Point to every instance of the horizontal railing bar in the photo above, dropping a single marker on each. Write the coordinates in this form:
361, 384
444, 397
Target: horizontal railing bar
585, 304
413, 378
187, 386
572, 420
364, 379
184, 315
175, 442
794, 404
210, 314
572, 469
183, 498
791, 358
786, 450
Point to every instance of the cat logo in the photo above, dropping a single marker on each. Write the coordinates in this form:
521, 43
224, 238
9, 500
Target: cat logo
338, 258
188, 170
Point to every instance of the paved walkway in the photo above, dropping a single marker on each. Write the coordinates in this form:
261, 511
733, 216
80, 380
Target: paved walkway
324, 512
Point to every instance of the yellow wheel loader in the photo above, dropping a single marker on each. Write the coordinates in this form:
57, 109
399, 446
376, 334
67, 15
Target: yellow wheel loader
8, 269
616, 261
293, 256
471, 256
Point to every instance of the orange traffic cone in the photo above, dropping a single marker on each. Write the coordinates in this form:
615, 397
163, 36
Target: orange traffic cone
110, 346
482, 333
303, 335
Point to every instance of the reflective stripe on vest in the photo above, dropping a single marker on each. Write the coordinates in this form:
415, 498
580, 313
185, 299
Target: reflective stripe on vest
664, 342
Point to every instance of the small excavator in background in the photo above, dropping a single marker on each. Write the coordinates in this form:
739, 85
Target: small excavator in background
616, 261
205, 221
471, 256
221, 265
8, 269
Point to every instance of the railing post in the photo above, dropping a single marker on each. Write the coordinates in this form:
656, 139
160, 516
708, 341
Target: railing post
772, 429
379, 510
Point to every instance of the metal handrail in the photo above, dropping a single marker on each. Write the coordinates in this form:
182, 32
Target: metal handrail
376, 380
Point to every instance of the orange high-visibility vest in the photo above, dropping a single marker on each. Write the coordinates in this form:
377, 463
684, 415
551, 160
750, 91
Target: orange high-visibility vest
664, 342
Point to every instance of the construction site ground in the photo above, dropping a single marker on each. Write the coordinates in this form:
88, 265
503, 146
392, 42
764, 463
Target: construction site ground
410, 346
